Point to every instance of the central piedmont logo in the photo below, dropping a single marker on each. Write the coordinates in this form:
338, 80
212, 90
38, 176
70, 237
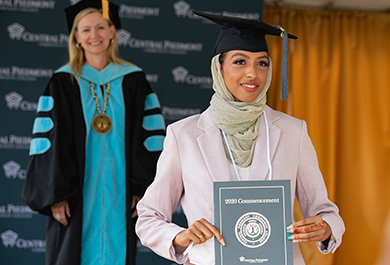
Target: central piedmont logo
152, 78
252, 230
16, 211
25, 5
174, 114
15, 142
181, 75
183, 9
24, 74
11, 239
137, 12
15, 101
13, 170
17, 32
256, 260
125, 39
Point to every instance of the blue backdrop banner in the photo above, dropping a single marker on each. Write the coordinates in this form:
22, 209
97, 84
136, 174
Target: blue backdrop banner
173, 46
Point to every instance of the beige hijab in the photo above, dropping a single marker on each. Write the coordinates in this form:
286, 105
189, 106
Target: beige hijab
239, 120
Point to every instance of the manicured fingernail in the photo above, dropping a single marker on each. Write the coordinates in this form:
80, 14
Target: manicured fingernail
289, 231
289, 238
222, 242
289, 227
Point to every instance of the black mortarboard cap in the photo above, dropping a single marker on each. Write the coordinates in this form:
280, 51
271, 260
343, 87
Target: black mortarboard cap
248, 35
109, 10
241, 34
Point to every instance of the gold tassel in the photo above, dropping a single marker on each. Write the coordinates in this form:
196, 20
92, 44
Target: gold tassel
105, 9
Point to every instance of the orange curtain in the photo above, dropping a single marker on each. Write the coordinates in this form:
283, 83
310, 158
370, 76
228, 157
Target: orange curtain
339, 82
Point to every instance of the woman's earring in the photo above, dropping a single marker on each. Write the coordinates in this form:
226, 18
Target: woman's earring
112, 40
78, 45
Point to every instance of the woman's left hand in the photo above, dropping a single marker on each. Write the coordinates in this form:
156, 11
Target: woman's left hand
60, 212
134, 202
309, 229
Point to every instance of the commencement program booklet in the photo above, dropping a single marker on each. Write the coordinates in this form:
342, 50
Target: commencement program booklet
252, 217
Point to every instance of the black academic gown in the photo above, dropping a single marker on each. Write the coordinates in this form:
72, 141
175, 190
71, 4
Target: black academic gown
57, 174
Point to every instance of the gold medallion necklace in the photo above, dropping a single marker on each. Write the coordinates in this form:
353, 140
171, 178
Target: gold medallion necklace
101, 123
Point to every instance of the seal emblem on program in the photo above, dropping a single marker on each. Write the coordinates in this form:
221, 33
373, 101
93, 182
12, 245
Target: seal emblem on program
252, 230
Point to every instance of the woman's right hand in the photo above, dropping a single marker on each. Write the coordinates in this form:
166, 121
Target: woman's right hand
61, 211
199, 232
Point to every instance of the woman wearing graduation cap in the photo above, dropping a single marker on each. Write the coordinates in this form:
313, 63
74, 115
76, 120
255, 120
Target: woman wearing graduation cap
96, 140
237, 138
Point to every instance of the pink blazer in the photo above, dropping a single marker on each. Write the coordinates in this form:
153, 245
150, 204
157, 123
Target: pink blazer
194, 157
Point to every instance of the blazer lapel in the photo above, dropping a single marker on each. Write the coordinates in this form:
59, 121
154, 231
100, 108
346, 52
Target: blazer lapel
211, 147
260, 168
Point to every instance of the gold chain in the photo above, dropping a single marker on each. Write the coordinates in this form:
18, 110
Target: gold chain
96, 100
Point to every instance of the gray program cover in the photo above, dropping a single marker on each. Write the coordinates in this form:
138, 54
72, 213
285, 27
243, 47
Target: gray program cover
252, 217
